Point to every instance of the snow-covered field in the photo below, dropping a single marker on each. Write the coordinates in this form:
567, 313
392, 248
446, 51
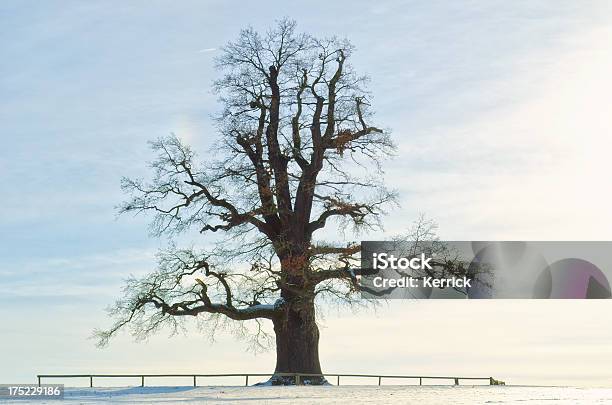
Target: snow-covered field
352, 395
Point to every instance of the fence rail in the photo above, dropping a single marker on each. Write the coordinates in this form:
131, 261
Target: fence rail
299, 377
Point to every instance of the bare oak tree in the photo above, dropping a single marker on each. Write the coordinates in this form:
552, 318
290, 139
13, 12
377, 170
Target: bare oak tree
297, 161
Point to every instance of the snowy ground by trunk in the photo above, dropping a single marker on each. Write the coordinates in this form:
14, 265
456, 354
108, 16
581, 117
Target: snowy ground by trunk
352, 395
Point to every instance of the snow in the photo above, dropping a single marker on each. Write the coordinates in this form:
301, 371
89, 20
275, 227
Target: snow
333, 395
279, 302
269, 307
254, 308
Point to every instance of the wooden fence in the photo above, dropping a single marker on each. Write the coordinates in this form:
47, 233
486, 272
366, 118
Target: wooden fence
300, 378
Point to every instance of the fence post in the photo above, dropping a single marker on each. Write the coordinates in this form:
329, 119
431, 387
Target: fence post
38, 380
338, 382
91, 381
194, 381
142, 380
246, 382
456, 381
379, 378
297, 379
420, 380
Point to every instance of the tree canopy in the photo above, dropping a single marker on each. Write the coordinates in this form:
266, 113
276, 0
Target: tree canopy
297, 160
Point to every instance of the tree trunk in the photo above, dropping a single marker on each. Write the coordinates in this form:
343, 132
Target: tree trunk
297, 345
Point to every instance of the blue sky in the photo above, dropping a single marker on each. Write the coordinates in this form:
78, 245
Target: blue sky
500, 109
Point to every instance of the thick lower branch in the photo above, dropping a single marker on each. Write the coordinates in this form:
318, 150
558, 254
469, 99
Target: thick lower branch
238, 314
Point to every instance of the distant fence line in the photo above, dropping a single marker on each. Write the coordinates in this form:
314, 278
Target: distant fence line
299, 377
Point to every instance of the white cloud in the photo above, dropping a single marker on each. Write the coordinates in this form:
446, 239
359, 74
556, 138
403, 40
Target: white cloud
92, 275
536, 168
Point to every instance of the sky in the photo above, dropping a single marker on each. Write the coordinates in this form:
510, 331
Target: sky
501, 112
